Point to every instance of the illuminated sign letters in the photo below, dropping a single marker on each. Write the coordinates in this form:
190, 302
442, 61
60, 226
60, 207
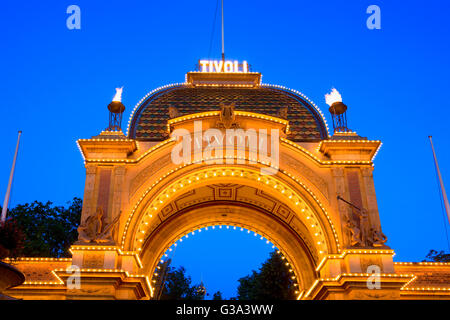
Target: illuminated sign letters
226, 66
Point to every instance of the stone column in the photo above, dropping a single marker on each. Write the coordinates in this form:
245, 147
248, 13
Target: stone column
118, 181
342, 208
371, 198
89, 192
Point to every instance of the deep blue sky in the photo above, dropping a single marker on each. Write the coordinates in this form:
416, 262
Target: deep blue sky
56, 84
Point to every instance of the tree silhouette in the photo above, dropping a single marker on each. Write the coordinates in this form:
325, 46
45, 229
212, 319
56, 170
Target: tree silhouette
435, 256
273, 281
217, 296
173, 284
11, 240
48, 230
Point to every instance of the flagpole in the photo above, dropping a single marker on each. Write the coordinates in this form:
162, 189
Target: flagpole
223, 37
444, 194
11, 175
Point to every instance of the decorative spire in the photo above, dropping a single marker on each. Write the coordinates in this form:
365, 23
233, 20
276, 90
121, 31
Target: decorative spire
116, 109
337, 110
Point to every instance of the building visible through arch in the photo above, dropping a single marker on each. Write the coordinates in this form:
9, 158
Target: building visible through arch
316, 202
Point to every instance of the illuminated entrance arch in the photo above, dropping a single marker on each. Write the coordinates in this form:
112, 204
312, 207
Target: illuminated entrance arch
137, 202
279, 209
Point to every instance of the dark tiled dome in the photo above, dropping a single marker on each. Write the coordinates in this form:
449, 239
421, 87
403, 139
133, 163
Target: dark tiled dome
149, 122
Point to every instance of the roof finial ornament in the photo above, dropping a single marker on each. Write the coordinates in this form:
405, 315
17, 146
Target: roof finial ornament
227, 117
283, 112
337, 110
116, 109
173, 112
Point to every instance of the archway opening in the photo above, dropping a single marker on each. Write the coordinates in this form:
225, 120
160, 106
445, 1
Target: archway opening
216, 256
170, 233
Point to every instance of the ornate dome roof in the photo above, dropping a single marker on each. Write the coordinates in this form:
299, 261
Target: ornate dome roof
148, 121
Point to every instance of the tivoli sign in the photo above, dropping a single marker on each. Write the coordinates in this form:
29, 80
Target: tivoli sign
225, 66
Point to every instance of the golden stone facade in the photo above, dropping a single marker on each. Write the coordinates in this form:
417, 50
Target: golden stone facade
137, 203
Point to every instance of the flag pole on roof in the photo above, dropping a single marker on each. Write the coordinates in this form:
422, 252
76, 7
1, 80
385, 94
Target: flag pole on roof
8, 189
441, 182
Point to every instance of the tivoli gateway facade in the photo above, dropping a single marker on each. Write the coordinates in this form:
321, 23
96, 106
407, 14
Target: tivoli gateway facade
310, 193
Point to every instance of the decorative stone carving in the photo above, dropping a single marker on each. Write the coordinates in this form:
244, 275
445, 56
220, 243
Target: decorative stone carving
376, 238
227, 117
283, 112
119, 170
358, 228
363, 224
337, 172
369, 261
91, 169
355, 233
383, 295
367, 172
93, 260
360, 233
173, 112
94, 229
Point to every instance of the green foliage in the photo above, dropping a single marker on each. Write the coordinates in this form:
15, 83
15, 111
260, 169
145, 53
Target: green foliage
49, 230
217, 296
173, 284
440, 256
11, 240
272, 282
